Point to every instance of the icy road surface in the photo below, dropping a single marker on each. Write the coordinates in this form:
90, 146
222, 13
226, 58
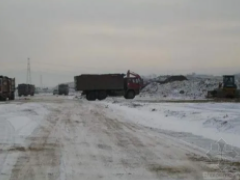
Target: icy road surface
57, 138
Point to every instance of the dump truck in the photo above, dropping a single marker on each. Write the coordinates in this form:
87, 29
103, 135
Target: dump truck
26, 90
63, 89
7, 88
100, 86
226, 89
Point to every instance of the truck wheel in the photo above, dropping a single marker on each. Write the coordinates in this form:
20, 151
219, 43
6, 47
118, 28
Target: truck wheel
12, 97
102, 95
130, 95
91, 96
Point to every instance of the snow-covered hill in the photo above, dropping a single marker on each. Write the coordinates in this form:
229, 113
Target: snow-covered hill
196, 87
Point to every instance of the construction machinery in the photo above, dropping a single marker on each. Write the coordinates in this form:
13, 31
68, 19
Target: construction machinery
99, 86
7, 88
226, 89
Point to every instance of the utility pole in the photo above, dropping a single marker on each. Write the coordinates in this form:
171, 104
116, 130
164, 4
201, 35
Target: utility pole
41, 81
29, 80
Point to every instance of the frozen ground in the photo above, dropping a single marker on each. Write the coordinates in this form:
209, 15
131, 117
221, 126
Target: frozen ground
53, 138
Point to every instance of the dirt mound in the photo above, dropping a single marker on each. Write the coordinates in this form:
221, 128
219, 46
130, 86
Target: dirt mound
175, 78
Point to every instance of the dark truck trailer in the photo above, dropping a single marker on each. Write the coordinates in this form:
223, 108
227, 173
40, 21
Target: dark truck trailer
26, 90
63, 89
101, 86
7, 88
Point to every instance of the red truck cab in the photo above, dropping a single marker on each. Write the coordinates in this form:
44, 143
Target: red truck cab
134, 84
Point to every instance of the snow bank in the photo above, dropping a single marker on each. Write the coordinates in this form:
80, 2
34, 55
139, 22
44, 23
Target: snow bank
210, 120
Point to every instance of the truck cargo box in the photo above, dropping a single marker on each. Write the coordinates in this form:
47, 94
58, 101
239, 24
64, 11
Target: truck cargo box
26, 89
7, 88
63, 89
99, 82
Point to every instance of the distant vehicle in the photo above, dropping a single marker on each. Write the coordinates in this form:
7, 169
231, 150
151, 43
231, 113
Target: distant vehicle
7, 88
101, 86
63, 89
26, 90
55, 92
226, 89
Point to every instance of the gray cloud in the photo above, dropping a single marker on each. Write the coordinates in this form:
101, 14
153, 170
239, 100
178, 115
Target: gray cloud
68, 37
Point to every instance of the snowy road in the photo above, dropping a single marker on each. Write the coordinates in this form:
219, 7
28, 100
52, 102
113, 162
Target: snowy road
69, 139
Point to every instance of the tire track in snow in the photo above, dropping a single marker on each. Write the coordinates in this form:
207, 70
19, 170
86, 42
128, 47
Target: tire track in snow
84, 140
41, 159
154, 152
7, 134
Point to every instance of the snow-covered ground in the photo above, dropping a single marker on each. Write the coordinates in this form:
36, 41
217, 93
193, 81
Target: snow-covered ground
17, 122
210, 120
58, 137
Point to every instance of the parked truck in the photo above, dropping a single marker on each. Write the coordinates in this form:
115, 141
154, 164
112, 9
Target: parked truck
26, 90
63, 89
55, 91
101, 86
7, 88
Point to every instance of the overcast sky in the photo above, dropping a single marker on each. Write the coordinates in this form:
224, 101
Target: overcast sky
64, 38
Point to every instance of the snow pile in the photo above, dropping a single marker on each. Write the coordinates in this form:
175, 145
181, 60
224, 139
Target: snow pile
179, 90
193, 88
